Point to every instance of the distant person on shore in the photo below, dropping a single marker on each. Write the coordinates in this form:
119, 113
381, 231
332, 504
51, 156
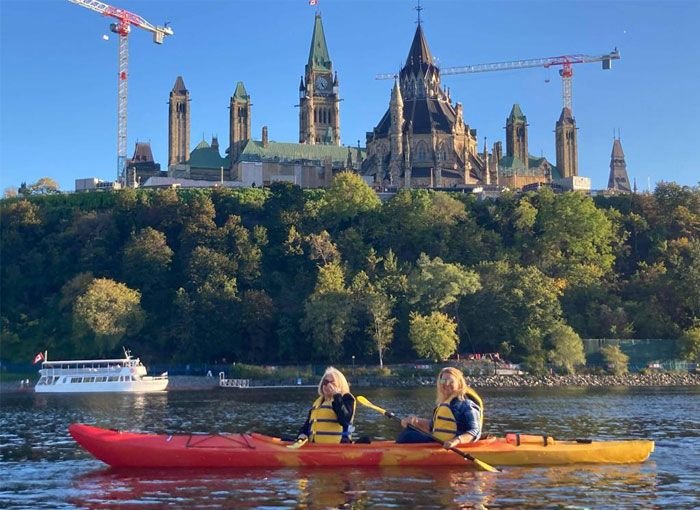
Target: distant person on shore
457, 418
332, 413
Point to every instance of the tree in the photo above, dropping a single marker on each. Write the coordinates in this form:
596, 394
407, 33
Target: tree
44, 186
109, 310
573, 239
322, 248
567, 349
434, 285
147, 258
327, 313
348, 197
615, 360
433, 336
690, 344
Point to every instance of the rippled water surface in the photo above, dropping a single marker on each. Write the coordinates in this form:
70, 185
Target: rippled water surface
41, 467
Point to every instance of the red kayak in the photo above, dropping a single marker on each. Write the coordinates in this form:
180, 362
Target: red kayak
139, 450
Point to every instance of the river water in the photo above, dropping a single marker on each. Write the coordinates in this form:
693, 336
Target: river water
41, 467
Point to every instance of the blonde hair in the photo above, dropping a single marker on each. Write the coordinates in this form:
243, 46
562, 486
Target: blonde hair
340, 381
460, 390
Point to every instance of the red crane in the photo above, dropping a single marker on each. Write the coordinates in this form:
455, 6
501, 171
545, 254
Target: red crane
565, 61
122, 27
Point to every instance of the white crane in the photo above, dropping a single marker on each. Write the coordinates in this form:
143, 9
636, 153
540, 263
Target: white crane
566, 72
122, 27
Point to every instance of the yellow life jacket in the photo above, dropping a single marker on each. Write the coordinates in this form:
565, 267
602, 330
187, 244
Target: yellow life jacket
324, 425
444, 422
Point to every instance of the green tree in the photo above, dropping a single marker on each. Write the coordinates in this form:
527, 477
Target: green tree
435, 285
327, 313
147, 259
690, 344
348, 197
109, 310
567, 348
433, 336
615, 360
574, 239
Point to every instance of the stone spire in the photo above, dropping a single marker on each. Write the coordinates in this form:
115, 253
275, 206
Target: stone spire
516, 135
319, 59
618, 179
178, 123
566, 144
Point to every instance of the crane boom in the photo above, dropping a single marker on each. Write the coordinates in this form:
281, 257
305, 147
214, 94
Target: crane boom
125, 20
566, 61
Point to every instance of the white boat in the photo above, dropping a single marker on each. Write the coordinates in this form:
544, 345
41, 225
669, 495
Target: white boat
126, 375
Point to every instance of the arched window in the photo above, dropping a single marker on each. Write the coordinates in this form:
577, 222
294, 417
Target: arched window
421, 151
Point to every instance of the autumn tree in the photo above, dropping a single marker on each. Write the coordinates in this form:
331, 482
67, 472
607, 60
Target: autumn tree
109, 310
433, 336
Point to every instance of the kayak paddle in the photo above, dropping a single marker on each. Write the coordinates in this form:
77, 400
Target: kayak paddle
479, 463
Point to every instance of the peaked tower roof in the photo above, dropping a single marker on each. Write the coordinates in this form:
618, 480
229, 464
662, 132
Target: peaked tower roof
419, 52
566, 116
319, 59
516, 113
240, 93
179, 87
617, 152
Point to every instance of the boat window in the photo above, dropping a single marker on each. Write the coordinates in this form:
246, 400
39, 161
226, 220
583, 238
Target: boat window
133, 378
113, 378
76, 379
89, 379
100, 379
42, 380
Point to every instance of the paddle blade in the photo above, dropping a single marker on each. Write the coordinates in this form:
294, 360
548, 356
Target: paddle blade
298, 443
362, 400
484, 466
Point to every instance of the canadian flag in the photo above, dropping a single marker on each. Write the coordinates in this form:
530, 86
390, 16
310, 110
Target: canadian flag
39, 357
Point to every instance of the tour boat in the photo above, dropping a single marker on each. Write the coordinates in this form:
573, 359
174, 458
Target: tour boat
123, 449
126, 375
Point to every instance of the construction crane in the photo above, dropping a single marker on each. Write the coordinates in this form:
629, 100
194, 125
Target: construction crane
566, 72
122, 27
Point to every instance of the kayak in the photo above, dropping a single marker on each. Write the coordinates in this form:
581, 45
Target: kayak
141, 450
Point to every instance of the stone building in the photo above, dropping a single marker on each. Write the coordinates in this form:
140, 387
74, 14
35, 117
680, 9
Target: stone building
141, 166
310, 163
422, 139
618, 179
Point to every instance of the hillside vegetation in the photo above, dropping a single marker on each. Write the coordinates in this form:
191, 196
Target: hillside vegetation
282, 275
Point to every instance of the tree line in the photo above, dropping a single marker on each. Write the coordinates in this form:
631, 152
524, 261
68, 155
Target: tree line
285, 275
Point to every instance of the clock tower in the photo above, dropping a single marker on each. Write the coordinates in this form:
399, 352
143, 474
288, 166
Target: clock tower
319, 110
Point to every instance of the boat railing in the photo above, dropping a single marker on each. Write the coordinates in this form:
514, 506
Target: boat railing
58, 370
233, 383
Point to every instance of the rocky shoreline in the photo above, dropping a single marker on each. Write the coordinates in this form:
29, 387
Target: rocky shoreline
195, 383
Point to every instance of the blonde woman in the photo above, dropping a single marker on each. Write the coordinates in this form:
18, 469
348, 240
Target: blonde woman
332, 413
457, 417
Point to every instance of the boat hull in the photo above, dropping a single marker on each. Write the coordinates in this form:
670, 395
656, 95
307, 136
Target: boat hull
144, 385
138, 450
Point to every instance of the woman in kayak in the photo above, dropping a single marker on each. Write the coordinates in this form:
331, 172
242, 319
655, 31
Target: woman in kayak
457, 417
331, 415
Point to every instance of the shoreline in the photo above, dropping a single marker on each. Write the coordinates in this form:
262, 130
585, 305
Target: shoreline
203, 383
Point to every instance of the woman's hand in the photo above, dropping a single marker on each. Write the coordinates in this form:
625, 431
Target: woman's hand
409, 420
451, 443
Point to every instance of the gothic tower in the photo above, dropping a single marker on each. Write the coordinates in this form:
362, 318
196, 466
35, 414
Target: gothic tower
516, 135
566, 144
319, 111
178, 123
239, 121
618, 179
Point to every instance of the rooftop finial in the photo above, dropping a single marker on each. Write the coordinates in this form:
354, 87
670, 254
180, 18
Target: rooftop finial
418, 9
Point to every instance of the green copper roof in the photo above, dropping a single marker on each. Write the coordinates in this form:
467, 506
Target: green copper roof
516, 113
319, 60
206, 156
513, 163
241, 94
291, 152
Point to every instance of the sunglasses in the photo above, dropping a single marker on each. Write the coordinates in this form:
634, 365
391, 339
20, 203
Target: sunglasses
444, 380
325, 382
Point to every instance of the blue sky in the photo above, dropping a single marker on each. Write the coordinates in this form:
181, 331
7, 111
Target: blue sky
58, 76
